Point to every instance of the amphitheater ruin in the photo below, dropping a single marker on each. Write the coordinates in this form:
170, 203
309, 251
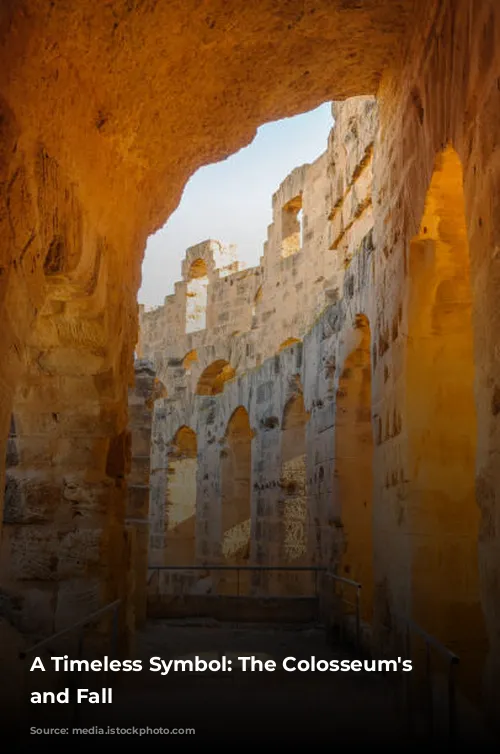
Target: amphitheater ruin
335, 407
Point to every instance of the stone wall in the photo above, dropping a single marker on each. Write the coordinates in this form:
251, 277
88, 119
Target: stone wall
263, 348
146, 389
103, 119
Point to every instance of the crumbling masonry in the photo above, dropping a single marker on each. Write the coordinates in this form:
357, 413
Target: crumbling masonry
279, 437
103, 118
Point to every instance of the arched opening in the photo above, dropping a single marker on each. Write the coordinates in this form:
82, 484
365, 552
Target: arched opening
288, 342
196, 296
294, 521
236, 472
291, 226
354, 466
257, 298
180, 548
441, 416
213, 378
189, 359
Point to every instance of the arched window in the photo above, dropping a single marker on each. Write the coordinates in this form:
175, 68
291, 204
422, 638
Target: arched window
236, 472
197, 290
257, 298
181, 499
293, 481
189, 359
291, 226
214, 377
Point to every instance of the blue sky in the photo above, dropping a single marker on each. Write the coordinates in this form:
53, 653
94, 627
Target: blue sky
230, 201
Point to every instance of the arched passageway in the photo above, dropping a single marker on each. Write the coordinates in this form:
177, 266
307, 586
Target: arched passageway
294, 513
354, 465
236, 472
146, 153
214, 377
180, 546
441, 422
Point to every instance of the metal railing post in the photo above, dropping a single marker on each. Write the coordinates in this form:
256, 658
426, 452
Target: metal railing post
452, 701
429, 708
358, 618
114, 634
408, 688
430, 697
74, 677
78, 627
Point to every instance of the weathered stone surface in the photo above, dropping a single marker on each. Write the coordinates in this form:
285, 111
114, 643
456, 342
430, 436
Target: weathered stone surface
103, 118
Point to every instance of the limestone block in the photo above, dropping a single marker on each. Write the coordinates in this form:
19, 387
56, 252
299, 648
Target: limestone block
29, 501
78, 551
33, 552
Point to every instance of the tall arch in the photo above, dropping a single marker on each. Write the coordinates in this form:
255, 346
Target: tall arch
291, 226
236, 472
180, 547
293, 481
441, 425
257, 299
354, 465
213, 377
196, 296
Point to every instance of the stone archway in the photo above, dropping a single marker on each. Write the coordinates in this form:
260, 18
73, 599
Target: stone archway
293, 481
354, 465
236, 490
196, 296
180, 518
214, 376
442, 427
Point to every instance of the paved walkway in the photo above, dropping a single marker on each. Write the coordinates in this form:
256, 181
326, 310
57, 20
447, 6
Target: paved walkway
277, 708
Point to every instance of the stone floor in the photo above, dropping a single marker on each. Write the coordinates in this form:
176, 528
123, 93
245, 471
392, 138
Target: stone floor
306, 708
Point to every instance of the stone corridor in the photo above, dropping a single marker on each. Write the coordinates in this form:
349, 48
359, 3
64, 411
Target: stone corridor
237, 706
336, 405
314, 708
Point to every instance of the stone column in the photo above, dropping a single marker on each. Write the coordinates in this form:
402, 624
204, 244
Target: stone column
158, 487
266, 520
63, 547
141, 399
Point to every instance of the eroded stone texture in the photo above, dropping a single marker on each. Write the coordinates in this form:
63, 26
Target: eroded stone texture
261, 355
142, 395
104, 116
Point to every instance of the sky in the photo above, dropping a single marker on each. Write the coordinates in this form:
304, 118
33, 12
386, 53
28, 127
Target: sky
230, 201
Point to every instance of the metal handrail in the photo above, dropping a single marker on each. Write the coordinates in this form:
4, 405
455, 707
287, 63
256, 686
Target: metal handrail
453, 661
237, 569
217, 567
80, 626
429, 639
357, 603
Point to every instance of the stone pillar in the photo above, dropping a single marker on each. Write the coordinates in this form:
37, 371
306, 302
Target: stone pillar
62, 553
266, 519
158, 487
141, 399
208, 499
